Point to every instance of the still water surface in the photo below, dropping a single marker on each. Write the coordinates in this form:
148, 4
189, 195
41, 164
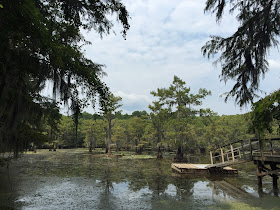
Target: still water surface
75, 179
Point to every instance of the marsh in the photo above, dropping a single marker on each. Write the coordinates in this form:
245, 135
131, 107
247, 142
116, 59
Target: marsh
77, 179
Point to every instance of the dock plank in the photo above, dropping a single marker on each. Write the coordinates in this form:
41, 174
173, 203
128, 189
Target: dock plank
184, 168
227, 163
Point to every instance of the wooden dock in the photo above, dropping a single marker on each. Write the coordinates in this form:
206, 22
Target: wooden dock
200, 169
264, 153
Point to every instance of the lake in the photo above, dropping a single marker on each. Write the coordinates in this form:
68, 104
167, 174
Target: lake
76, 179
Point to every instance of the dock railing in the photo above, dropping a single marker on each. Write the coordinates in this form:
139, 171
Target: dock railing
235, 151
264, 153
270, 146
245, 150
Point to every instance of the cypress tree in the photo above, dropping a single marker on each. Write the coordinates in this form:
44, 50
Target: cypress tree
40, 42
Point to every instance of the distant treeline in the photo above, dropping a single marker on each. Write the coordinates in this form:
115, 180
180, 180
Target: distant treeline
118, 115
136, 132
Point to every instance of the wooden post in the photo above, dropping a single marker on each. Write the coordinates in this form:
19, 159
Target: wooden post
222, 154
251, 150
274, 176
243, 151
271, 149
239, 153
211, 157
259, 171
260, 192
261, 148
213, 190
232, 153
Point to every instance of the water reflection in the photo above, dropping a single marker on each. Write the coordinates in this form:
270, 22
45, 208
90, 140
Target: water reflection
77, 180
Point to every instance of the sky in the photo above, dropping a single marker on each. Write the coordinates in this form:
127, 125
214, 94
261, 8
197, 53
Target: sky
165, 39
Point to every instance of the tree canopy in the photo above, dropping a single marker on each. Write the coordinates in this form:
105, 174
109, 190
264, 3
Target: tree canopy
181, 104
265, 112
40, 42
108, 112
243, 55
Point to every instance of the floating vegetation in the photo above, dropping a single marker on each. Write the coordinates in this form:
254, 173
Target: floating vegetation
77, 179
139, 157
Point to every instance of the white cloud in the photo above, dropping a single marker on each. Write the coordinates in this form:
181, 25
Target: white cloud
165, 39
274, 64
133, 102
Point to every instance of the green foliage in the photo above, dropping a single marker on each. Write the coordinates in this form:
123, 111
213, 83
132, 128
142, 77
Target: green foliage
88, 116
110, 109
159, 116
139, 113
120, 116
206, 131
266, 112
244, 54
94, 133
40, 41
226, 129
119, 136
177, 106
66, 137
108, 112
136, 129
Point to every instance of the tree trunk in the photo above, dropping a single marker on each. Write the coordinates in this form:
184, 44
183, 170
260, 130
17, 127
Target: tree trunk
136, 149
109, 136
179, 157
159, 155
90, 147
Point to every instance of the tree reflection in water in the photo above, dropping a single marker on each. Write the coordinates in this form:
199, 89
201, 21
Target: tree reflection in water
106, 198
94, 182
106, 180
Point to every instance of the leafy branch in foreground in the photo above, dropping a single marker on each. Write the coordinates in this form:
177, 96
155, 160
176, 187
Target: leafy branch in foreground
40, 42
265, 111
244, 54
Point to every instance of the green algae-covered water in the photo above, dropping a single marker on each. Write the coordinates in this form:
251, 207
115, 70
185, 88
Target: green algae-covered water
75, 179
